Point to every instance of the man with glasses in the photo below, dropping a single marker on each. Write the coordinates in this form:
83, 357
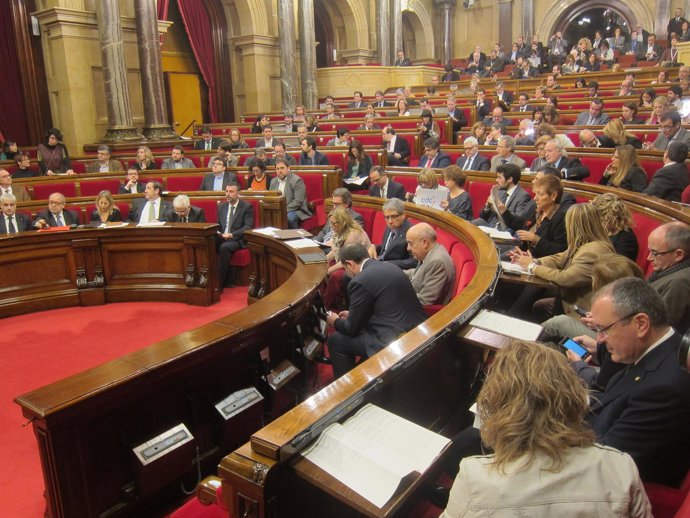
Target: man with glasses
645, 409
669, 182
669, 131
56, 215
382, 187
393, 247
6, 187
434, 278
10, 221
472, 160
104, 164
341, 197
185, 212
397, 149
218, 179
505, 153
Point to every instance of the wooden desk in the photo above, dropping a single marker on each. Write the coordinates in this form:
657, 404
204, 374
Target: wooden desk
86, 267
525, 279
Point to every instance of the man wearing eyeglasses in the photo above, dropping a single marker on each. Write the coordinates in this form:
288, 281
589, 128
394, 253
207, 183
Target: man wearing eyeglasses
6, 187
472, 160
382, 186
645, 408
669, 131
56, 215
393, 247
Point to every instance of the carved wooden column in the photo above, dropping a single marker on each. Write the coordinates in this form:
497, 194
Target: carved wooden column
120, 122
288, 62
307, 38
505, 23
156, 126
383, 16
396, 33
446, 8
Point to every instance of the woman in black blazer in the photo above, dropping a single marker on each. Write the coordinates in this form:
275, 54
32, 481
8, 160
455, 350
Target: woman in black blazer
618, 223
105, 211
624, 171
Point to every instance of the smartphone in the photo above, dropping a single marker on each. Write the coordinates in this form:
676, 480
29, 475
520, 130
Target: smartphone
577, 309
572, 345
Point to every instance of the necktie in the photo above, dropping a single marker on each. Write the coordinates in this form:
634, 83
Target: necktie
391, 237
7, 191
11, 228
185, 219
468, 164
590, 122
503, 161
58, 218
231, 214
208, 145
383, 192
152, 211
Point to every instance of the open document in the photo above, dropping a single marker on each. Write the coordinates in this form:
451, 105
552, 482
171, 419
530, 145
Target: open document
374, 450
505, 325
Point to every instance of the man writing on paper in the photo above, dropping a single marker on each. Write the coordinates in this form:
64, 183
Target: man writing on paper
383, 306
434, 277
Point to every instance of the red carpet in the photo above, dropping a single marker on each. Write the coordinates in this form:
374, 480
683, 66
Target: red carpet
41, 348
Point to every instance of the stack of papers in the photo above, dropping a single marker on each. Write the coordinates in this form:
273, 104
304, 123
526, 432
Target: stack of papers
507, 326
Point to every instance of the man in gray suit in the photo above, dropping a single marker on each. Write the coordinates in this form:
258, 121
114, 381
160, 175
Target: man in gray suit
514, 197
219, 178
295, 192
505, 153
594, 116
177, 160
434, 277
669, 131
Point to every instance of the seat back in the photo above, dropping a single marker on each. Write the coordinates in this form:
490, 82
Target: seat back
93, 187
184, 183
43, 190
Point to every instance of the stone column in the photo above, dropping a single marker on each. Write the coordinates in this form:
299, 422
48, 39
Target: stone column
505, 24
120, 122
662, 14
446, 7
383, 15
307, 38
527, 24
156, 126
396, 22
288, 61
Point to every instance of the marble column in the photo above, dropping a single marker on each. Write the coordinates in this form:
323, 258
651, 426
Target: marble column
662, 14
120, 121
396, 23
288, 60
156, 126
505, 24
383, 16
446, 8
527, 23
307, 38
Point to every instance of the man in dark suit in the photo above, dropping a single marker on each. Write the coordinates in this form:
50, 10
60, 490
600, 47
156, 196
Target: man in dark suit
645, 409
310, 156
10, 221
633, 46
380, 100
651, 51
675, 24
570, 169
219, 178
669, 182
472, 160
670, 130
594, 116
295, 192
185, 212
483, 105
523, 104
382, 186
383, 306
357, 101
402, 61
393, 247
433, 156
207, 142
397, 149
267, 140
497, 117
56, 215
457, 117
235, 217
132, 184
503, 96
511, 194
151, 207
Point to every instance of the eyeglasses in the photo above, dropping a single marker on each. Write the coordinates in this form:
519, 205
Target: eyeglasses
393, 216
603, 331
50, 202
656, 254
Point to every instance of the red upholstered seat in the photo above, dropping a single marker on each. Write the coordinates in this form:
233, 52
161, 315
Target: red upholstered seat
93, 187
408, 181
447, 239
643, 227
378, 228
465, 267
479, 192
43, 190
184, 183
368, 214
596, 165
79, 166
210, 208
685, 197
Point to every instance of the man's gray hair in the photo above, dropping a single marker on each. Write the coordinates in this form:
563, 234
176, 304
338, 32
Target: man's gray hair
677, 236
508, 141
181, 201
104, 149
8, 198
394, 204
630, 296
471, 141
344, 194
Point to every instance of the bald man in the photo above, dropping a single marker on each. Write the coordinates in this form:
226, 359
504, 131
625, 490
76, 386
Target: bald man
434, 278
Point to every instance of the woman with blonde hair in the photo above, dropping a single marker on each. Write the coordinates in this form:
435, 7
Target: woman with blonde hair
105, 210
659, 105
236, 140
545, 461
459, 201
145, 160
618, 223
625, 171
426, 179
346, 231
615, 134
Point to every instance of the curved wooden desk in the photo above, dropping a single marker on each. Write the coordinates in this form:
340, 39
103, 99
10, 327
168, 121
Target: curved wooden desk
86, 267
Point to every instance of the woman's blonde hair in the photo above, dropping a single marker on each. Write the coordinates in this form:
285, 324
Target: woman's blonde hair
615, 130
341, 216
427, 176
148, 155
532, 402
627, 159
613, 267
588, 44
106, 195
239, 135
615, 215
583, 225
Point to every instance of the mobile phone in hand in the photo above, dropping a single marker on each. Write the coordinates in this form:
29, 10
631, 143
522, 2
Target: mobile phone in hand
572, 345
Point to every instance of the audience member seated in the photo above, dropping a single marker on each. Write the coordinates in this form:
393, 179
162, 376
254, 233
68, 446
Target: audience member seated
669, 182
571, 270
402, 108
594, 116
483, 105
393, 247
236, 140
426, 179
258, 179
459, 202
472, 160
185, 212
56, 215
495, 132
428, 128
544, 459
341, 197
208, 142
434, 277
219, 178
510, 195
11, 222
525, 135
382, 186
505, 154
342, 137
359, 165
589, 139
279, 152
433, 157
539, 145
478, 131
23, 169
402, 61
550, 114
6, 187
646, 99
618, 223
523, 104
383, 306
497, 118
225, 152
53, 158
259, 123
381, 100
670, 131
548, 129
177, 160
288, 125
132, 184
151, 207
356, 100
659, 107
651, 51
235, 217
615, 134
556, 157
8, 149
292, 187
625, 171
310, 156
267, 139
369, 123
145, 160
346, 231
105, 211
669, 253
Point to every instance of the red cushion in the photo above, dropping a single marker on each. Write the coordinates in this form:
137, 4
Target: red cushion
643, 227
93, 187
241, 258
184, 183
666, 501
479, 192
43, 190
